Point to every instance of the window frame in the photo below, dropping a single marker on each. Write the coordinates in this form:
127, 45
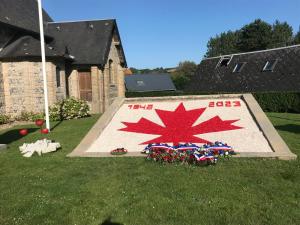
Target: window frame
228, 57
275, 61
140, 83
241, 68
58, 76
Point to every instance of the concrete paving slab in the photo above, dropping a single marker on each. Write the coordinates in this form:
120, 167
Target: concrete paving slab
2, 147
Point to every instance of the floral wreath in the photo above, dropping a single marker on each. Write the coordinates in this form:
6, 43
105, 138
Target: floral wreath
119, 151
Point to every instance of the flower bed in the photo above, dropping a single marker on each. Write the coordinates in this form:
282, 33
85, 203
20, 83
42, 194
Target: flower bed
188, 153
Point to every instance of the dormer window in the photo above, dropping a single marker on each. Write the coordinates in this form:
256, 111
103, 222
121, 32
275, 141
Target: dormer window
238, 67
270, 65
224, 61
140, 83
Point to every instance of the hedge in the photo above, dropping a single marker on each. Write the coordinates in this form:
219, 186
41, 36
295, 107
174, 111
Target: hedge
270, 102
279, 102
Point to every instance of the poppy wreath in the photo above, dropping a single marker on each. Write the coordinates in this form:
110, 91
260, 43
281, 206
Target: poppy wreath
188, 153
119, 151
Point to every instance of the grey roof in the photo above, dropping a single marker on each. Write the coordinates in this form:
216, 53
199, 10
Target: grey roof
28, 46
149, 82
22, 14
285, 77
88, 41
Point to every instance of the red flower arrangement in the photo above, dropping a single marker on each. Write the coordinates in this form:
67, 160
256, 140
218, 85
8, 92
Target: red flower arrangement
23, 132
119, 151
188, 153
39, 122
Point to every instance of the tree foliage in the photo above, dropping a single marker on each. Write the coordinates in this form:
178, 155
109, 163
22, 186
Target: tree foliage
186, 68
183, 73
257, 35
148, 71
225, 43
297, 38
282, 34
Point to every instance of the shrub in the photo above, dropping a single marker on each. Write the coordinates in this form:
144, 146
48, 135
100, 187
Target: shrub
4, 119
180, 81
29, 116
70, 108
279, 102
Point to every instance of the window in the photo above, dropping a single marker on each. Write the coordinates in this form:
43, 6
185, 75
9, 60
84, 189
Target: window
270, 65
224, 61
110, 71
58, 77
238, 67
140, 83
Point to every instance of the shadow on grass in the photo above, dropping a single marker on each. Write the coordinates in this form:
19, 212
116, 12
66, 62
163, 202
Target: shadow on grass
13, 135
293, 128
57, 123
109, 222
283, 118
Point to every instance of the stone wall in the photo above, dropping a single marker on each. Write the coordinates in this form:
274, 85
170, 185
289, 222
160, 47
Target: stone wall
116, 84
2, 100
23, 86
61, 91
104, 88
73, 82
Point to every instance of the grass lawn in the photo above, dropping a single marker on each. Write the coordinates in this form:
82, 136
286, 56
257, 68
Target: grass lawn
54, 189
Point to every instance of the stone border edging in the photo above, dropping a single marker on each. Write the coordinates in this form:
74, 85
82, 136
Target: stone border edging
280, 148
3, 147
97, 129
275, 141
15, 123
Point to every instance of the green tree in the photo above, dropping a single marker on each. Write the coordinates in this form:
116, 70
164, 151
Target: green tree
183, 73
223, 44
134, 70
258, 35
255, 36
186, 68
146, 71
282, 34
180, 81
297, 38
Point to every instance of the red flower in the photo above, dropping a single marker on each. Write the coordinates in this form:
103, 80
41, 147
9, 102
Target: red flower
39, 122
23, 132
44, 131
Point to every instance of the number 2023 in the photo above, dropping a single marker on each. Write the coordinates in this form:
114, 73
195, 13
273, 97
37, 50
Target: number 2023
225, 104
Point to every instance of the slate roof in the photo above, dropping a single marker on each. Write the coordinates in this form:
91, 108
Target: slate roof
88, 41
220, 79
28, 46
22, 14
149, 82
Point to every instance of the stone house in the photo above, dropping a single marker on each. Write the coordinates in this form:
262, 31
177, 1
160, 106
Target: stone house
85, 59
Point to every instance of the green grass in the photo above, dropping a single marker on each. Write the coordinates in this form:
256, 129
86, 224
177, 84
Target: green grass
54, 189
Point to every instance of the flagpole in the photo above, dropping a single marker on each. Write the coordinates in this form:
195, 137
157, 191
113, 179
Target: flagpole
41, 22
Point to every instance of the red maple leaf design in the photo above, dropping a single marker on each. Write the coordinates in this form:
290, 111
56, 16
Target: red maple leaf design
179, 126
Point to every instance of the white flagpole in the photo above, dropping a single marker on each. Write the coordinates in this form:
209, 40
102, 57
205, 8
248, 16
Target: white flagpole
41, 22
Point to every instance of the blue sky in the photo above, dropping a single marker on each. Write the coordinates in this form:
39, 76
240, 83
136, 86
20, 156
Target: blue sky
161, 33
